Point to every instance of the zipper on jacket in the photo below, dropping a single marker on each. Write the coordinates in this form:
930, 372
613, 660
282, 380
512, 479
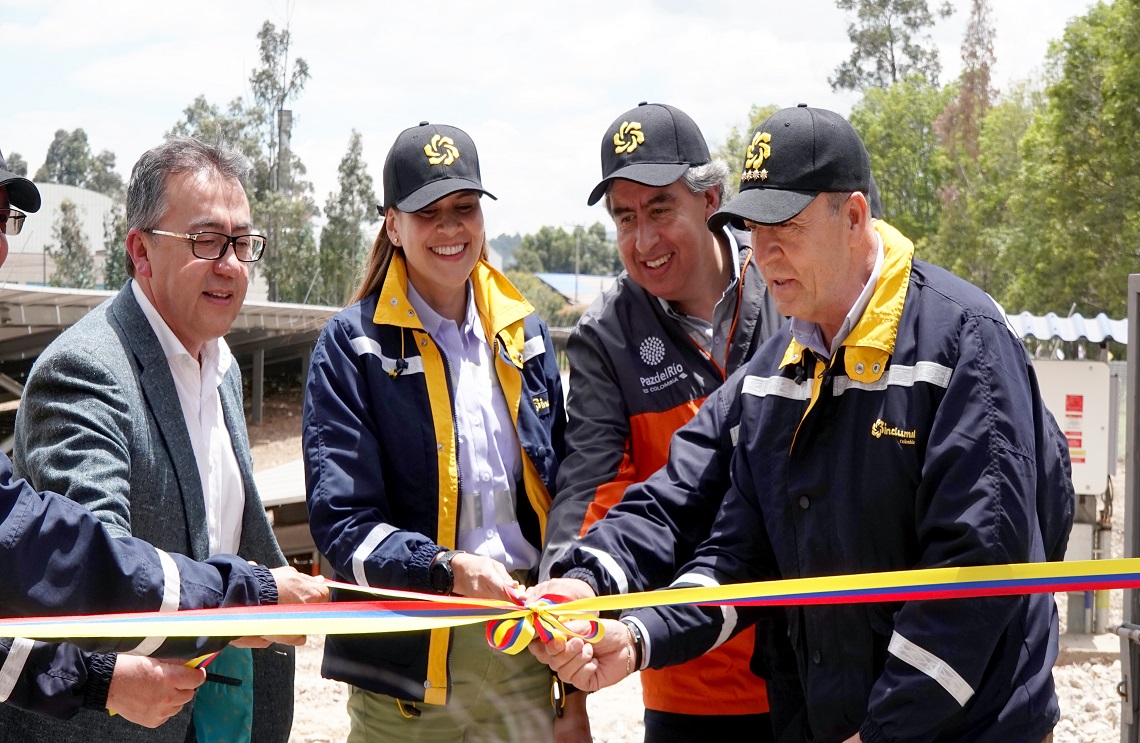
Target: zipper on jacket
458, 490
455, 440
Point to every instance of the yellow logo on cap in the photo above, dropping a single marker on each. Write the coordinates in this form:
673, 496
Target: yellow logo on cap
757, 153
448, 155
632, 130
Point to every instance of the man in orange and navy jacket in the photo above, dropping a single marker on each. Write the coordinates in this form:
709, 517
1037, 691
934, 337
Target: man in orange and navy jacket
690, 308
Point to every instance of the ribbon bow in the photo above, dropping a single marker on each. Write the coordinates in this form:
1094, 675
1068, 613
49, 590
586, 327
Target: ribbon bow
541, 620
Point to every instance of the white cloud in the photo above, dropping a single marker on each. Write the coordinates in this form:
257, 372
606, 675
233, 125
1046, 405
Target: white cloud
535, 84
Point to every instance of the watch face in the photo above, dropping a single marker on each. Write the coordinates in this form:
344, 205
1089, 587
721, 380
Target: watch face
441, 576
438, 578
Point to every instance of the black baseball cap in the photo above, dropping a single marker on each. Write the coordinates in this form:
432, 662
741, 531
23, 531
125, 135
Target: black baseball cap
793, 156
22, 193
653, 144
428, 162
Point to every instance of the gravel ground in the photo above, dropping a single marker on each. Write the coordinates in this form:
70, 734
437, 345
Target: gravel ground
319, 715
1090, 704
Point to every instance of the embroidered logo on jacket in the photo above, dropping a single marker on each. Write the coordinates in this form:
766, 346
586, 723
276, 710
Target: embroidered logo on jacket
880, 429
540, 404
652, 351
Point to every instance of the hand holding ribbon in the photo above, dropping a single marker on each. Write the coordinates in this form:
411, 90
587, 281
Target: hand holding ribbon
541, 621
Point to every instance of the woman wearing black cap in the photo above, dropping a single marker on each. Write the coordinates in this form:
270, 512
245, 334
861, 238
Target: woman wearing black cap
433, 430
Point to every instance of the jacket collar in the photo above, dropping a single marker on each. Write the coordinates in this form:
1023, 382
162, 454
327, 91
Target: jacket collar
873, 338
499, 303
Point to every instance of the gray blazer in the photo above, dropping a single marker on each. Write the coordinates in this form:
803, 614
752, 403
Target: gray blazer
101, 423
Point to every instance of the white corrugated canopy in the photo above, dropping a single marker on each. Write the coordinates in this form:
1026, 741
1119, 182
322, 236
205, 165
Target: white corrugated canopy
1072, 328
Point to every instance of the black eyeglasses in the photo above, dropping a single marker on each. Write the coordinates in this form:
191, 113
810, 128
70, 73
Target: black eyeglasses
211, 246
11, 221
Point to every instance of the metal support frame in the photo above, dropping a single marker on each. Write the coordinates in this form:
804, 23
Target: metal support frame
1130, 644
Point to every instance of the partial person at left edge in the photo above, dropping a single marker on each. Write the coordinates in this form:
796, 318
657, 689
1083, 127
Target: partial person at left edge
136, 413
98, 573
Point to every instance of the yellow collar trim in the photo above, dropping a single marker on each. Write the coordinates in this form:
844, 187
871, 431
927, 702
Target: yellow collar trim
501, 307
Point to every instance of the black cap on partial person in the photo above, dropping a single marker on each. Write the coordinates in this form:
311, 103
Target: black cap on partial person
22, 193
793, 156
428, 162
653, 144
874, 200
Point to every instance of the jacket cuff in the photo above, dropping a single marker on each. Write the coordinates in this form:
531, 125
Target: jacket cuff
419, 567
267, 584
586, 576
872, 733
100, 669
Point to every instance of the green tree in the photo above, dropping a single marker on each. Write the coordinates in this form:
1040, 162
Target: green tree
291, 268
69, 161
274, 84
343, 240
960, 123
290, 264
961, 243
891, 41
115, 245
236, 126
553, 250
294, 246
897, 126
976, 230
74, 266
506, 245
17, 165
737, 141
1075, 214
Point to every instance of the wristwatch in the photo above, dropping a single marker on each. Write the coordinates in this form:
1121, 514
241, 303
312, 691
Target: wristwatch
441, 574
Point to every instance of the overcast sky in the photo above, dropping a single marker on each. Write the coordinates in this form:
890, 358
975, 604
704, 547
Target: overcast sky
534, 83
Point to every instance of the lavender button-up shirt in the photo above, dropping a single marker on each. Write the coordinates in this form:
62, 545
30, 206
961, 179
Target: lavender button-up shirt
490, 464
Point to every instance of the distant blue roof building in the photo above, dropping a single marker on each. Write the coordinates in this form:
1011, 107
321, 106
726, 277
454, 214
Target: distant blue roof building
578, 289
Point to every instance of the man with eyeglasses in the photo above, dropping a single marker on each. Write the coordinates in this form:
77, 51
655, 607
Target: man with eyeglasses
136, 413
57, 558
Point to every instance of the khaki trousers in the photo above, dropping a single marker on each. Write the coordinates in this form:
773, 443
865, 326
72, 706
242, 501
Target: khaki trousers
495, 698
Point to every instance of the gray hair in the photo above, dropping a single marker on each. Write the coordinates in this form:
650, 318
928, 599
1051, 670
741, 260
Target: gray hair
698, 179
146, 192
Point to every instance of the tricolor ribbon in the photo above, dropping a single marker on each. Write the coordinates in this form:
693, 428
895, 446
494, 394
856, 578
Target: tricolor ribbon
545, 618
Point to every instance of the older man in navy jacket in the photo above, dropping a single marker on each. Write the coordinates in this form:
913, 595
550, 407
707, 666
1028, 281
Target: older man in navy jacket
895, 423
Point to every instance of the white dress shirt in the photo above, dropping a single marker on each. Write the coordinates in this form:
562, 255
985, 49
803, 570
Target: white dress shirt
197, 385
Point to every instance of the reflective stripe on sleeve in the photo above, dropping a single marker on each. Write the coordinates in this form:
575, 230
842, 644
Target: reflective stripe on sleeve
932, 666
534, 347
776, 387
926, 372
14, 666
727, 612
611, 566
366, 346
378, 534
171, 599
